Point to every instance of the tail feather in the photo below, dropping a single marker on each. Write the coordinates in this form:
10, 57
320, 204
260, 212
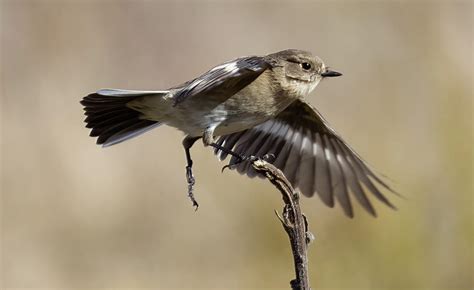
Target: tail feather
128, 93
131, 132
101, 119
111, 120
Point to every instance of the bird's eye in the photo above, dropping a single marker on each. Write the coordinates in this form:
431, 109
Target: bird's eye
306, 66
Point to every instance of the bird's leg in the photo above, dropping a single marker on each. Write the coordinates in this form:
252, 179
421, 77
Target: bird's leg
188, 142
208, 140
230, 152
250, 158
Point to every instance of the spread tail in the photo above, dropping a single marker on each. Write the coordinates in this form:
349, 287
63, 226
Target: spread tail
111, 120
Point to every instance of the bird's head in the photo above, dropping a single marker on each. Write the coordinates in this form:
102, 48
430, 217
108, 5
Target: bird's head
299, 70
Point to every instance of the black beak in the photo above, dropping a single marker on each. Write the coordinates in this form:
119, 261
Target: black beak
331, 73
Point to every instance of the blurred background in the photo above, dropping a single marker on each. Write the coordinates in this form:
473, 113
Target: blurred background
76, 215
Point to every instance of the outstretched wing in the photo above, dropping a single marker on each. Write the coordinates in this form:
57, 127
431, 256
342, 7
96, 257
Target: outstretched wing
314, 158
223, 81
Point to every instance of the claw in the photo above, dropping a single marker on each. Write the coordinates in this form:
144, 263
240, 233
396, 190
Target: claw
191, 197
224, 167
237, 162
195, 204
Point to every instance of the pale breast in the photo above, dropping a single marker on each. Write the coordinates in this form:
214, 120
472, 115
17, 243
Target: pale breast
251, 107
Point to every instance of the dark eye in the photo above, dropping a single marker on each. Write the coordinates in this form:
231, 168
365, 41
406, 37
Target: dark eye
306, 66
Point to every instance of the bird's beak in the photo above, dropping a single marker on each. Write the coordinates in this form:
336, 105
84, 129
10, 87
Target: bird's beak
331, 73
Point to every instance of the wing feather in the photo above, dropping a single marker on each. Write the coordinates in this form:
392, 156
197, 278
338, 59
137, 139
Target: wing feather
223, 81
305, 174
323, 174
338, 178
352, 180
313, 157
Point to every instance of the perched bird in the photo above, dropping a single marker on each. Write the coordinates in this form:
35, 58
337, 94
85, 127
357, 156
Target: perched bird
255, 106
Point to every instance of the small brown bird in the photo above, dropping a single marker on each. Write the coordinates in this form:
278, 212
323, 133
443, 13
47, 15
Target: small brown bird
256, 105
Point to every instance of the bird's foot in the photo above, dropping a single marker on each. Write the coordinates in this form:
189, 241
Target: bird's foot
251, 158
191, 182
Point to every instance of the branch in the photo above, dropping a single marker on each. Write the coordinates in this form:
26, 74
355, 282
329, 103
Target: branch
293, 221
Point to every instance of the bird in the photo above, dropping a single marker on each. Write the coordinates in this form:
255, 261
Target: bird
249, 107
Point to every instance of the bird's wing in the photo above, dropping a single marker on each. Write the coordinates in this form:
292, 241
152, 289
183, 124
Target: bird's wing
314, 158
223, 81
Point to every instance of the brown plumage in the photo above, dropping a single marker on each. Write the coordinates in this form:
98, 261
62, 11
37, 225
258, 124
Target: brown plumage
256, 104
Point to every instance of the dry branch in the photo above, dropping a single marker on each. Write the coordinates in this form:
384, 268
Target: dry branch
293, 221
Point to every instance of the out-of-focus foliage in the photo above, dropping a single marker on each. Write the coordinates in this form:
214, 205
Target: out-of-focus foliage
76, 215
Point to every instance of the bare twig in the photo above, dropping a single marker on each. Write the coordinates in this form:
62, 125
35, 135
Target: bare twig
293, 221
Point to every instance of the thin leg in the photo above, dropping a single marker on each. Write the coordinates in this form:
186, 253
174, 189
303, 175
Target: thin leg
228, 151
188, 142
208, 140
240, 157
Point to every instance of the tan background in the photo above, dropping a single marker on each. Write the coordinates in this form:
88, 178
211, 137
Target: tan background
76, 215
